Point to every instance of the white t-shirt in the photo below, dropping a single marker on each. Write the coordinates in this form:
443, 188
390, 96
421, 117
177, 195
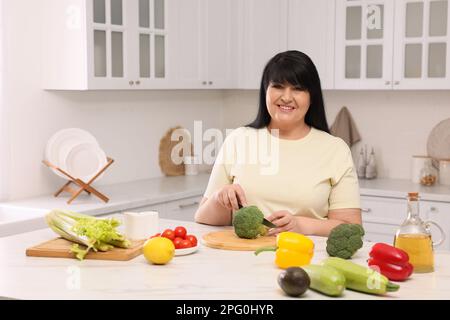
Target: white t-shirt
307, 177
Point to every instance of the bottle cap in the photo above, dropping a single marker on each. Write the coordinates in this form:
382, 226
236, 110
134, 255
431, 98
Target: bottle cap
413, 195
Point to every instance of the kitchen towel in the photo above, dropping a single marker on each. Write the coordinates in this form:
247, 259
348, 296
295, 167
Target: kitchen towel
344, 127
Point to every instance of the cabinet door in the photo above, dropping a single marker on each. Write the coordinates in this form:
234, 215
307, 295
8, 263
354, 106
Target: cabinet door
438, 212
311, 25
108, 38
264, 34
421, 54
364, 36
149, 43
218, 39
188, 55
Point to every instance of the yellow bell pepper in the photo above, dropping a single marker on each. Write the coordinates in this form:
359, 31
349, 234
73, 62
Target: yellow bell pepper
292, 250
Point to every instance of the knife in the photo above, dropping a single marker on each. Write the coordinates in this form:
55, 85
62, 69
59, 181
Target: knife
265, 222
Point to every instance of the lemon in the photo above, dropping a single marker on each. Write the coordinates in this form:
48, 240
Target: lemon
159, 250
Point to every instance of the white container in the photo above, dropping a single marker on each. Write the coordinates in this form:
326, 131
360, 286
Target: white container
190, 165
444, 172
141, 225
417, 163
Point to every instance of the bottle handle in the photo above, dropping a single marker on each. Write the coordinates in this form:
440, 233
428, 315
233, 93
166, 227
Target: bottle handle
427, 226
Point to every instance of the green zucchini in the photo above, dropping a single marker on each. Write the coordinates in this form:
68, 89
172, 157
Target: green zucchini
360, 278
325, 279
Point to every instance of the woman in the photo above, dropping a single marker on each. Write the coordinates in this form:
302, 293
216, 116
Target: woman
314, 187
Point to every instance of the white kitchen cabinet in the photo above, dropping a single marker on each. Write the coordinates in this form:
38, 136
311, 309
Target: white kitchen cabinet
263, 25
382, 216
202, 32
180, 209
364, 41
105, 44
421, 54
311, 29
384, 44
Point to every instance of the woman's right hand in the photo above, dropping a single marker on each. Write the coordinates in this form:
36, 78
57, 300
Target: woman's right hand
230, 196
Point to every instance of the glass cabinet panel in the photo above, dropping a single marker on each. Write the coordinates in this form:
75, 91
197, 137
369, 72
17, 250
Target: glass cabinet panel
159, 14
375, 21
144, 13
159, 57
144, 55
437, 54
99, 11
414, 19
353, 23
353, 62
413, 60
117, 54
374, 61
116, 12
100, 53
438, 18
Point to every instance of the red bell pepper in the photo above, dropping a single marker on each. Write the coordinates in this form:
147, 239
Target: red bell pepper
390, 261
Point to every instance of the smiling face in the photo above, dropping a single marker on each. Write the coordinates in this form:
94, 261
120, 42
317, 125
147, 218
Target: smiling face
287, 105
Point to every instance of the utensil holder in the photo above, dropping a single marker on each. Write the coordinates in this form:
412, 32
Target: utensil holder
83, 186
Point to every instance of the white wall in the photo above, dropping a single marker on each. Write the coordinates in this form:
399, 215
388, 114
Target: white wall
127, 124
395, 123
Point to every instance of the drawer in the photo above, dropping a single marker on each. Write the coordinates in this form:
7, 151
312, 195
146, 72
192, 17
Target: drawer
183, 209
383, 210
379, 232
438, 212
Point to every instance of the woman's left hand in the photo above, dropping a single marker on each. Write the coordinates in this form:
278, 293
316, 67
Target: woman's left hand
284, 220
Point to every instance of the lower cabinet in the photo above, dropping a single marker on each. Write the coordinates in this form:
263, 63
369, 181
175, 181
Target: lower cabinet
181, 209
382, 216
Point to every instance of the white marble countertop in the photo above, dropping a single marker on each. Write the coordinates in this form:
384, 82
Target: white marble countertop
398, 188
208, 274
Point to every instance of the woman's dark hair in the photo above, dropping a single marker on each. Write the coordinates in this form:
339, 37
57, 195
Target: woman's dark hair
297, 69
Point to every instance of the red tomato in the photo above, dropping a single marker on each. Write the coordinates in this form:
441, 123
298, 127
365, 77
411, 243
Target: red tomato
180, 232
177, 242
169, 234
185, 244
192, 239
156, 235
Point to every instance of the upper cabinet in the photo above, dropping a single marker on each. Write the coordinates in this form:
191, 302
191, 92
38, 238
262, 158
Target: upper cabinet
105, 44
202, 34
374, 53
421, 53
263, 25
311, 27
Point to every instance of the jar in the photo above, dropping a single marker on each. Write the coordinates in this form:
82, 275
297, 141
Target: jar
428, 174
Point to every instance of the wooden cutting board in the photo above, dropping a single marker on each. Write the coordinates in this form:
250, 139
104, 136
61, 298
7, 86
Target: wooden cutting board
60, 248
228, 240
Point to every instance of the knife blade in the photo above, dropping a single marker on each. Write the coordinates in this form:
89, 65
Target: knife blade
265, 222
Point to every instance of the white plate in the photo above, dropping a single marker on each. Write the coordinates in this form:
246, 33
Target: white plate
84, 161
438, 144
183, 252
63, 139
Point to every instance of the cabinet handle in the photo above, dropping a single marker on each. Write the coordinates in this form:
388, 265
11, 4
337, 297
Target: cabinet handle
182, 206
366, 210
138, 82
387, 83
204, 83
397, 83
131, 82
210, 82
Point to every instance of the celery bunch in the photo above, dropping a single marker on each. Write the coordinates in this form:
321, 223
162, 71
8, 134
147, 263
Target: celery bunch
94, 233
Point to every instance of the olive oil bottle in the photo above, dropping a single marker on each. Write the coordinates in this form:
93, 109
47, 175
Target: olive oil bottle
414, 237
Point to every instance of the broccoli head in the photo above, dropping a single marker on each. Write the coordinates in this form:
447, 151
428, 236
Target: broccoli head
247, 223
344, 240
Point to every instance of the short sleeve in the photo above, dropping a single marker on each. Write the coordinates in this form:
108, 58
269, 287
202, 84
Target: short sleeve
344, 183
221, 172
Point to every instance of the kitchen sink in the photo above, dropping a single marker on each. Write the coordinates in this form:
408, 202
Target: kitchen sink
15, 220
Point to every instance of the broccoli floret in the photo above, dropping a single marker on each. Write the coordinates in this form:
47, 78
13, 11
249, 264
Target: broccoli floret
344, 240
247, 223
